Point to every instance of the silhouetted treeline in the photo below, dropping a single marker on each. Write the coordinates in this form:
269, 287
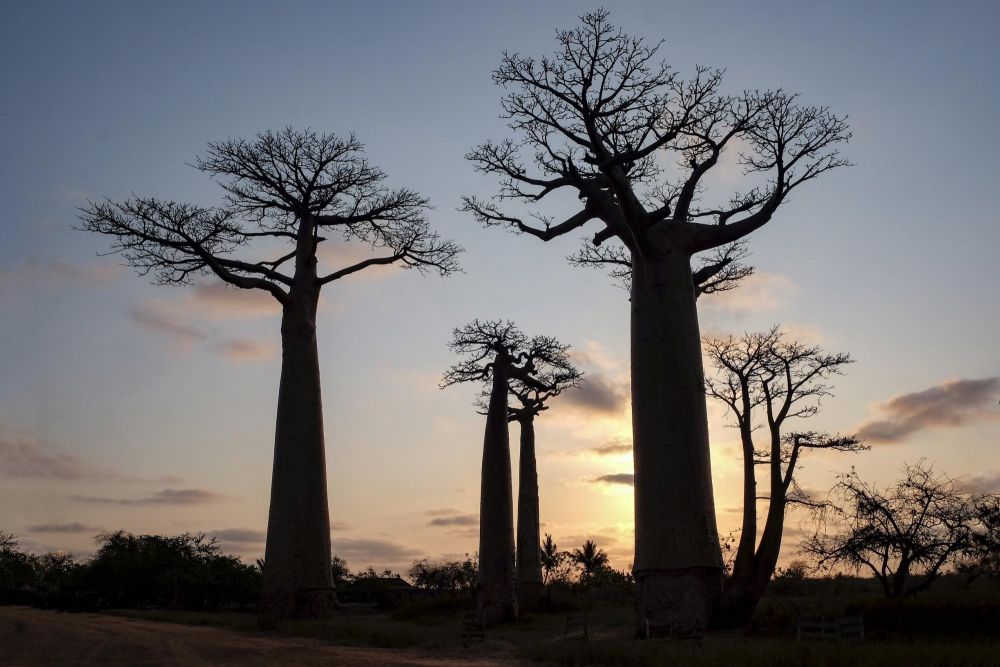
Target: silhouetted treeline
186, 571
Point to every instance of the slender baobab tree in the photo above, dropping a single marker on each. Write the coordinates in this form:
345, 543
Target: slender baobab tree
497, 354
554, 375
286, 193
768, 382
633, 142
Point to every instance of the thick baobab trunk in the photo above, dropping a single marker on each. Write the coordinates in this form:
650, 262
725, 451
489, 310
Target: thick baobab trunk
496, 599
529, 557
678, 562
297, 576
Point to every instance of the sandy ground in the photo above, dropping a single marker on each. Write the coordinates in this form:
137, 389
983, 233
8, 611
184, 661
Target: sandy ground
37, 637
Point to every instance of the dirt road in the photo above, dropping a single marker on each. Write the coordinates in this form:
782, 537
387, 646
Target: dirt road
36, 637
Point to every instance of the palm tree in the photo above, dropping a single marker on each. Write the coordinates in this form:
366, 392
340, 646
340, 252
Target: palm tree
551, 557
591, 559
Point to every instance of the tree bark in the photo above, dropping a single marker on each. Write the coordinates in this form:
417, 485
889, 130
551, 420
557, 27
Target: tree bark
529, 558
678, 561
738, 599
297, 577
496, 599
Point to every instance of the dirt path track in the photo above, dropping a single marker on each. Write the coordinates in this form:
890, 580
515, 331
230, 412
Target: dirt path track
36, 637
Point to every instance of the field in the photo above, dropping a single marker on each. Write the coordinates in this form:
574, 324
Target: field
954, 625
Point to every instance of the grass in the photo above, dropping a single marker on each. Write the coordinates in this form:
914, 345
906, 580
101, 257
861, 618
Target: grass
949, 626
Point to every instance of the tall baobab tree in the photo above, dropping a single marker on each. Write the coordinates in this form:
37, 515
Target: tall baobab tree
601, 120
553, 376
286, 192
497, 354
767, 382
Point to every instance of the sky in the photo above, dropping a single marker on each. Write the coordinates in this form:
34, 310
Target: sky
125, 405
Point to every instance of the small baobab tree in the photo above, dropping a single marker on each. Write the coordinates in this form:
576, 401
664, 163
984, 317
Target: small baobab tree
911, 529
601, 120
554, 374
287, 192
500, 356
768, 382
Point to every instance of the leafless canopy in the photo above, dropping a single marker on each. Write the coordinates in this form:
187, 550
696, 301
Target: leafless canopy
284, 191
765, 379
603, 118
914, 527
539, 368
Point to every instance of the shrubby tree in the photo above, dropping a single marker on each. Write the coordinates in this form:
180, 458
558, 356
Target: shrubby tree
447, 576
498, 355
982, 556
769, 382
286, 193
553, 561
632, 142
904, 534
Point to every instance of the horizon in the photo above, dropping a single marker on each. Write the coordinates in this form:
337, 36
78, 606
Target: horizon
125, 405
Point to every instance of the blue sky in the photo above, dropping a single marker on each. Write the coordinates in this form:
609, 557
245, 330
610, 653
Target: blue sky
146, 388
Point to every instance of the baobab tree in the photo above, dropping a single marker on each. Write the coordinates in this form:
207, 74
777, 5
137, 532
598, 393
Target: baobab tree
600, 120
768, 382
555, 375
286, 192
500, 356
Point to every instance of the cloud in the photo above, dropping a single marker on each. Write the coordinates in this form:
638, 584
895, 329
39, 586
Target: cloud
24, 455
153, 316
219, 301
761, 292
951, 403
340, 525
336, 256
239, 535
365, 551
34, 272
598, 393
164, 497
442, 512
624, 478
983, 482
456, 520
613, 448
243, 349
63, 528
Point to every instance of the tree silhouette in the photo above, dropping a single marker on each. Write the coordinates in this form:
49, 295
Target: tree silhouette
916, 526
765, 380
497, 354
599, 120
554, 374
286, 191
590, 559
551, 557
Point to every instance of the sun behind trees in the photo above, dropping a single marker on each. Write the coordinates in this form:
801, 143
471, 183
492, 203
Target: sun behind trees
286, 191
766, 379
497, 354
600, 120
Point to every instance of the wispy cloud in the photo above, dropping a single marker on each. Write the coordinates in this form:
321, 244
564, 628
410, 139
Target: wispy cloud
761, 292
24, 455
614, 447
598, 393
951, 403
74, 527
455, 520
983, 482
373, 551
221, 302
154, 317
239, 535
243, 349
164, 497
623, 478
